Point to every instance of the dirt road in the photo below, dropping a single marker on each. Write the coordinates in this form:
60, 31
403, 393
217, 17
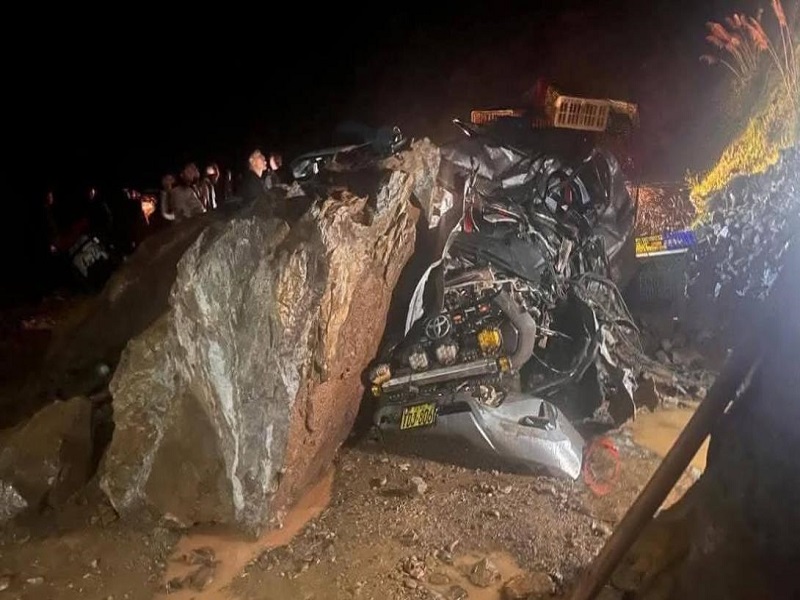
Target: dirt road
380, 526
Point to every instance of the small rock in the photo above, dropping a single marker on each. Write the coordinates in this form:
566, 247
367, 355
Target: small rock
486, 488
95, 563
601, 529
493, 513
404, 467
528, 586
5, 582
413, 567
444, 556
35, 581
457, 593
378, 482
507, 489
549, 490
204, 556
484, 573
418, 486
438, 579
410, 583
201, 578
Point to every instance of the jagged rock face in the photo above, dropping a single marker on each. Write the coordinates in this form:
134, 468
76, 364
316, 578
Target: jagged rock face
238, 397
47, 459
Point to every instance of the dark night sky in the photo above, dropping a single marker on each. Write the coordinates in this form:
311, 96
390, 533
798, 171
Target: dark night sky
127, 96
120, 98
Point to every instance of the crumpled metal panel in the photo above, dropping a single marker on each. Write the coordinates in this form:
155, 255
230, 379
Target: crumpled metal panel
507, 430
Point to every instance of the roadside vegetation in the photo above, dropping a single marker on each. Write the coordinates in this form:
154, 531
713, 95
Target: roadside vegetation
763, 61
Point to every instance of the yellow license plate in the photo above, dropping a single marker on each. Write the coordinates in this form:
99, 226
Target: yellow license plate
419, 415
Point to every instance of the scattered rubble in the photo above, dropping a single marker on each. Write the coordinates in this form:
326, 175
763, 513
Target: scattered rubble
48, 458
418, 486
741, 245
484, 573
414, 567
529, 586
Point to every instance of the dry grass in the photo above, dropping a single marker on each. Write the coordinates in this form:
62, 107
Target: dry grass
772, 124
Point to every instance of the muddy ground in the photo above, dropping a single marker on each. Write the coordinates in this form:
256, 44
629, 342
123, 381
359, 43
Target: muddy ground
381, 525
389, 520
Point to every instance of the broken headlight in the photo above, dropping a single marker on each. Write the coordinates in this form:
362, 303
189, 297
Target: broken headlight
380, 374
418, 359
447, 353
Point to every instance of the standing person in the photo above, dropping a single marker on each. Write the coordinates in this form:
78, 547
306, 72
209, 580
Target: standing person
164, 197
227, 186
101, 221
273, 176
208, 187
186, 198
251, 187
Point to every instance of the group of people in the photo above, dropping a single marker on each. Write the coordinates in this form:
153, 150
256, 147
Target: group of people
119, 222
193, 193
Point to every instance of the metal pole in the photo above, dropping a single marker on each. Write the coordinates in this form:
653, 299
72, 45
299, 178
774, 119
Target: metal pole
724, 390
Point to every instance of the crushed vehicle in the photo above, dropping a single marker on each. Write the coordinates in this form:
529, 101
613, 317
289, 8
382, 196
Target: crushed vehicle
372, 144
518, 332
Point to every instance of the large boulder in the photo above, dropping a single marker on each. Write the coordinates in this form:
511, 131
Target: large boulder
46, 459
238, 396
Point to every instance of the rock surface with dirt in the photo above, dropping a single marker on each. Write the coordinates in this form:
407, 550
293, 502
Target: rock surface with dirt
741, 247
240, 394
46, 459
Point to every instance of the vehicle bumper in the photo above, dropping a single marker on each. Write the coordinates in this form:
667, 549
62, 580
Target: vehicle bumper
507, 430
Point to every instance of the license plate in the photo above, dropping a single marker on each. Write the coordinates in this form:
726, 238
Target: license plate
419, 415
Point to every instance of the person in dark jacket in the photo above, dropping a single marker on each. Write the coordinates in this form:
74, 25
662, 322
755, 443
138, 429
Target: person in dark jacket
251, 187
186, 198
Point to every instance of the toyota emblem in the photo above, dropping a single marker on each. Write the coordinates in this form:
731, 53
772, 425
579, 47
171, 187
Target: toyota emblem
438, 327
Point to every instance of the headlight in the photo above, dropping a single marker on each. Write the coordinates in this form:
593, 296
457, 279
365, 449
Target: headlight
489, 340
380, 374
418, 359
504, 364
447, 353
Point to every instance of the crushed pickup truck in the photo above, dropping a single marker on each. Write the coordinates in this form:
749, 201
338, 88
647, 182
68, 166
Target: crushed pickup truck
518, 330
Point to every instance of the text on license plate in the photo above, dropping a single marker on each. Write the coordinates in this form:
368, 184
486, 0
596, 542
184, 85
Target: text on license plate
419, 415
